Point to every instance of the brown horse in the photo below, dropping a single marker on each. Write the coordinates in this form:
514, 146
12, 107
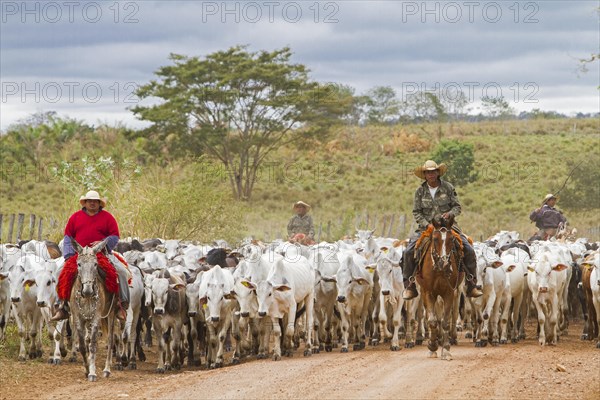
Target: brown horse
439, 277
92, 305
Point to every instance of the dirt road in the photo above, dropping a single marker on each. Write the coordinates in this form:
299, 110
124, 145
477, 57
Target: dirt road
518, 371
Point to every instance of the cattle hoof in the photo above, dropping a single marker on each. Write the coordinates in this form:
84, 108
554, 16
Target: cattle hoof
119, 367
394, 348
356, 347
142, 357
468, 335
453, 342
503, 341
289, 353
197, 363
316, 350
495, 343
584, 337
522, 336
374, 342
276, 357
106, 374
132, 366
218, 364
176, 367
447, 356
73, 359
478, 344
321, 347
459, 328
409, 345
51, 361
307, 353
57, 361
160, 370
21, 358
419, 342
328, 348
261, 356
92, 378
344, 350
227, 348
235, 361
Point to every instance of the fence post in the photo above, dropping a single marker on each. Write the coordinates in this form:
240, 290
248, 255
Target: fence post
329, 230
11, 225
31, 225
402, 226
319, 234
40, 228
20, 221
392, 218
367, 220
384, 226
1, 217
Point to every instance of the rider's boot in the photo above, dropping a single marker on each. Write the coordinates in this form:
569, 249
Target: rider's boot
61, 311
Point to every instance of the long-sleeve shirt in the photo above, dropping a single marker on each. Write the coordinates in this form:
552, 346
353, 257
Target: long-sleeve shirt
87, 229
547, 217
300, 224
426, 207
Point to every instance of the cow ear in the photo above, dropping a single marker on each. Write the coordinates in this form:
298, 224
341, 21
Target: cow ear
3, 277
362, 281
282, 288
496, 264
371, 268
248, 284
230, 295
177, 286
510, 268
560, 267
28, 283
202, 300
330, 279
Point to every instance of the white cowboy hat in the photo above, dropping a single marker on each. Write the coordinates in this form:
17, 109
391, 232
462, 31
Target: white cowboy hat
548, 197
430, 166
92, 195
301, 203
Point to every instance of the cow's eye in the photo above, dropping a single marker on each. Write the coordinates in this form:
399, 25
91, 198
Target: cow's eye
48, 284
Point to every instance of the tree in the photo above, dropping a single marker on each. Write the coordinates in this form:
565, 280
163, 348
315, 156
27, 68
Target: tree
382, 105
496, 107
460, 159
238, 107
583, 190
424, 106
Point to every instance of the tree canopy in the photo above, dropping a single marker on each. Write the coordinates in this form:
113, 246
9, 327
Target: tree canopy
238, 106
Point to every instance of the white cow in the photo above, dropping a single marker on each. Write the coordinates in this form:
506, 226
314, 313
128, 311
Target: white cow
390, 295
9, 255
129, 333
493, 281
355, 286
547, 280
217, 293
26, 313
325, 264
253, 270
514, 264
289, 285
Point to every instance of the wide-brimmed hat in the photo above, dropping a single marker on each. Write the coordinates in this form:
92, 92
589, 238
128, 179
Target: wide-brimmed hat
301, 203
92, 195
548, 197
430, 165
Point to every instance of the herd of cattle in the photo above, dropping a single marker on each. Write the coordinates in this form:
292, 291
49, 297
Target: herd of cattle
264, 300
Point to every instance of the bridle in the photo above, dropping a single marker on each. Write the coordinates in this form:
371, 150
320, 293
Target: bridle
442, 262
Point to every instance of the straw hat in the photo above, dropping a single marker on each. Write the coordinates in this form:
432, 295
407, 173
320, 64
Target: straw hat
301, 203
430, 166
92, 195
548, 197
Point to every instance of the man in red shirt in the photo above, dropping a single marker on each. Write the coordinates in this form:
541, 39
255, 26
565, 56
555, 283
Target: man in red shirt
89, 226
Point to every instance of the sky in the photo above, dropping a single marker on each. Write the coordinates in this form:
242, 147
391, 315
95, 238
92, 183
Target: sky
84, 59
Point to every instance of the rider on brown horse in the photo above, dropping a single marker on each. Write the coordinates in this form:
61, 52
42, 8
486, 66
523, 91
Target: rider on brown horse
436, 197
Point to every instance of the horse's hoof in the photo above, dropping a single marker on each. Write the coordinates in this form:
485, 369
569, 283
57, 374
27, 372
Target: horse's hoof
503, 341
432, 354
328, 348
276, 357
468, 335
394, 348
307, 353
409, 345
344, 350
160, 370
92, 378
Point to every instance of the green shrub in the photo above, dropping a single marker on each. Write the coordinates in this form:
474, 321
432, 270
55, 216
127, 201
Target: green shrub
460, 159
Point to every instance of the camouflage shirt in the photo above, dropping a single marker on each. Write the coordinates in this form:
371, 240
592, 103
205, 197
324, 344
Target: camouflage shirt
425, 207
300, 224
